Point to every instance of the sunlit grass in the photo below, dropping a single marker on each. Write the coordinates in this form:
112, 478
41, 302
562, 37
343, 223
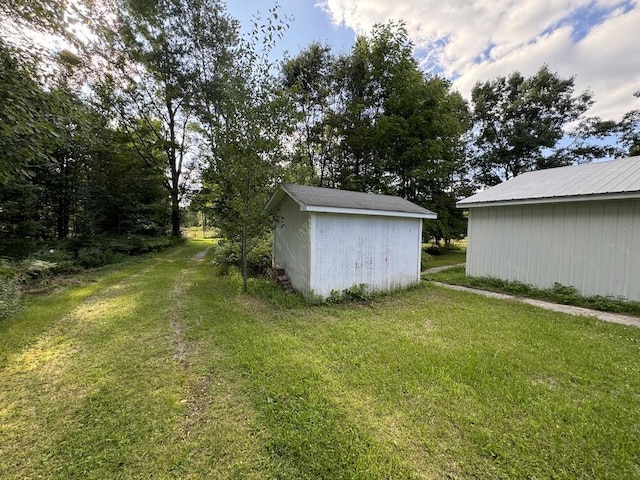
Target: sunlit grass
166, 370
454, 254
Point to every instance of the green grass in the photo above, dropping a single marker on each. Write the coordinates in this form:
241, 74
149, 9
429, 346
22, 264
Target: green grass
558, 294
166, 370
455, 254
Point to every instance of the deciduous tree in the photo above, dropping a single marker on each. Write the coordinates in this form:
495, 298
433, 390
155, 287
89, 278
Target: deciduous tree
372, 121
527, 123
244, 169
163, 43
630, 130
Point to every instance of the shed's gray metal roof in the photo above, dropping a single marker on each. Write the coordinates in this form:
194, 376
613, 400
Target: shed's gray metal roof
593, 181
330, 200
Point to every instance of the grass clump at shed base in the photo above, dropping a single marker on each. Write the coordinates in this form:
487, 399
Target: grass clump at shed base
166, 370
558, 294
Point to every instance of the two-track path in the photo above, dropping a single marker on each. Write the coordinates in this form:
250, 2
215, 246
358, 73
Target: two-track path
130, 389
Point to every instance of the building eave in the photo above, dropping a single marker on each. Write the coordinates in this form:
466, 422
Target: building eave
362, 211
567, 199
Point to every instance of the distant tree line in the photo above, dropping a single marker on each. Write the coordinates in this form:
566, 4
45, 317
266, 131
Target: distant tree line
148, 106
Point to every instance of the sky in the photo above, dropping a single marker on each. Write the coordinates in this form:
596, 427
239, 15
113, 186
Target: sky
469, 41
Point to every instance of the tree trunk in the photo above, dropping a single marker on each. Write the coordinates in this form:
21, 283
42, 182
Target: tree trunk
175, 213
175, 210
63, 219
244, 258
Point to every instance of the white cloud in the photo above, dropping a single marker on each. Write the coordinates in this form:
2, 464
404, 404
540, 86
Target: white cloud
518, 35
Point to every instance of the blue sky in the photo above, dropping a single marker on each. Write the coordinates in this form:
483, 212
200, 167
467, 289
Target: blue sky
597, 41
309, 23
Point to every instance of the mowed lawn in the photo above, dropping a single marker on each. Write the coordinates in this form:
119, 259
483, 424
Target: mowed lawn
164, 370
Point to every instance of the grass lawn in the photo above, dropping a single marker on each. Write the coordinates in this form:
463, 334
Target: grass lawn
454, 255
164, 370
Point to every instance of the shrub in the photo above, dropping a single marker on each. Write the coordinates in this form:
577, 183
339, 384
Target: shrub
433, 250
18, 248
424, 260
34, 268
61, 261
559, 293
9, 289
259, 258
92, 257
227, 254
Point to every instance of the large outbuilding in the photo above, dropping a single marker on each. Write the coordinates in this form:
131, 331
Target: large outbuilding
330, 240
577, 226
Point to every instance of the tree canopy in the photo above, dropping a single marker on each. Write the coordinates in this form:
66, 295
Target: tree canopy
528, 123
371, 120
100, 130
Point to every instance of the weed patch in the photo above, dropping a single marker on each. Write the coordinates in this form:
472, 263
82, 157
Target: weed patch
559, 293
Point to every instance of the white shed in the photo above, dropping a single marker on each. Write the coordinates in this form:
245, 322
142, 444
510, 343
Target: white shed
331, 240
577, 226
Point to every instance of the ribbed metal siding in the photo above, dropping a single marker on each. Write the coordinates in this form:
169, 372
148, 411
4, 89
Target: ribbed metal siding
593, 246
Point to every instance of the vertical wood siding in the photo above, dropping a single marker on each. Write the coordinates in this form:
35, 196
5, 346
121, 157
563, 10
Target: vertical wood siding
592, 246
291, 243
348, 250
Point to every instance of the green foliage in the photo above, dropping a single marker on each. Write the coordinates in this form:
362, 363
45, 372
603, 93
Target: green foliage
171, 59
26, 133
246, 141
228, 254
225, 255
9, 289
92, 257
371, 121
630, 130
433, 250
62, 260
36, 269
425, 258
49, 16
356, 293
70, 255
519, 122
564, 294
83, 177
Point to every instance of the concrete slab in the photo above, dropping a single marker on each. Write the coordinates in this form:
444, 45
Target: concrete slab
440, 269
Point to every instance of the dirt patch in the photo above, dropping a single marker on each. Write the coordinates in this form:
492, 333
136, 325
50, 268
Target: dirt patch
198, 257
180, 349
197, 402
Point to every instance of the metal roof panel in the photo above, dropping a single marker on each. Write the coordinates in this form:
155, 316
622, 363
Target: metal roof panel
621, 176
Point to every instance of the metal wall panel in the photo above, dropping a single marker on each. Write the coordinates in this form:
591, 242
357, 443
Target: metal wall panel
349, 250
592, 246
